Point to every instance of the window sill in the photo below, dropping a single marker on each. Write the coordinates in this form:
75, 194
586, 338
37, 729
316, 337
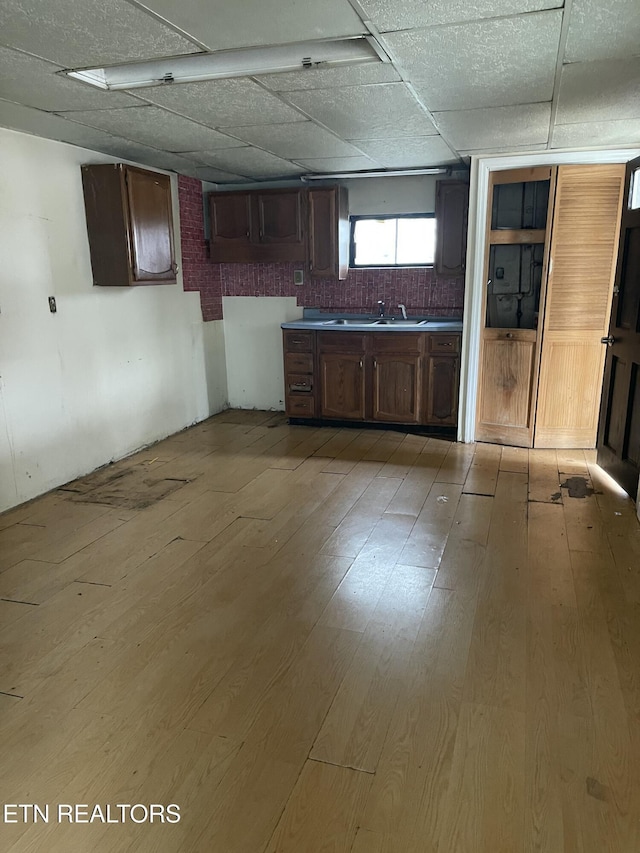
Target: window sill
393, 267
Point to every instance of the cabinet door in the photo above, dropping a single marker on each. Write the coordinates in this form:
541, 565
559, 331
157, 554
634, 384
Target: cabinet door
396, 388
280, 217
150, 226
328, 233
442, 395
230, 215
323, 233
452, 206
342, 383
505, 401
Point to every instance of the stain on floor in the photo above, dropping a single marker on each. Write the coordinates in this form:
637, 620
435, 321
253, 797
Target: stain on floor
128, 488
578, 487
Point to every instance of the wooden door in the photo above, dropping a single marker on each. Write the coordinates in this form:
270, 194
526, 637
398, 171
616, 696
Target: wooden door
150, 226
230, 215
509, 352
578, 304
342, 386
396, 388
619, 431
280, 217
508, 367
452, 209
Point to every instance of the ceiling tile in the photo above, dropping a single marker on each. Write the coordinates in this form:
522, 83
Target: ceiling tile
155, 127
408, 152
599, 91
302, 139
339, 164
482, 64
597, 134
35, 83
391, 15
496, 127
514, 149
603, 30
366, 112
215, 176
249, 162
220, 24
223, 103
51, 126
326, 78
92, 32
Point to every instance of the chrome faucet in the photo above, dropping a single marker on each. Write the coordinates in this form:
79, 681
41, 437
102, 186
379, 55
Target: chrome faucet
403, 308
380, 308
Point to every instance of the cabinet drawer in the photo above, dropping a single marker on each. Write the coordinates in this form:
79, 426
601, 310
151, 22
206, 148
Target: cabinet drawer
341, 341
397, 342
299, 383
444, 343
299, 406
298, 362
298, 341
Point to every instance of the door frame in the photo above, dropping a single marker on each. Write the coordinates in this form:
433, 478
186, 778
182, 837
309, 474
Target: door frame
481, 168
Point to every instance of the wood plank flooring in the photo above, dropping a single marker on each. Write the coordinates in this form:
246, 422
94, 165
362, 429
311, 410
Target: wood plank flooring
324, 639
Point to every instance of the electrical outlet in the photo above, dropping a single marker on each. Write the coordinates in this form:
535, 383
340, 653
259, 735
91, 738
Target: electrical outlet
52, 304
298, 276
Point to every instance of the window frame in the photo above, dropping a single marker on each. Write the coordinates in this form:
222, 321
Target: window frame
354, 218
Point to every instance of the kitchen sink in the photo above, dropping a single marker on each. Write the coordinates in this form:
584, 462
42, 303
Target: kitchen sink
392, 321
363, 322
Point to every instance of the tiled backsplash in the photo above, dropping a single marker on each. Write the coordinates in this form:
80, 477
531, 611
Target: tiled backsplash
420, 289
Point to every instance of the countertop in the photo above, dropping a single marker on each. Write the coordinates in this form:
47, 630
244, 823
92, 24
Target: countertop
362, 323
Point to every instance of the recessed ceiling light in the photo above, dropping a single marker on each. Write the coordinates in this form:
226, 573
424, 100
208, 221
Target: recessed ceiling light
233, 63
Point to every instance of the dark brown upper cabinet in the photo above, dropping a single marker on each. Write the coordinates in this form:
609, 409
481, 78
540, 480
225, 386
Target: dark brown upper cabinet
328, 232
130, 225
258, 226
230, 219
280, 217
452, 209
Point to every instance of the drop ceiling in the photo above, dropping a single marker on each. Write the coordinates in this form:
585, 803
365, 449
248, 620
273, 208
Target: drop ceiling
465, 77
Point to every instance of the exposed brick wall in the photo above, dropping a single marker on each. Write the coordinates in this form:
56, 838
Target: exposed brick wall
198, 273
419, 289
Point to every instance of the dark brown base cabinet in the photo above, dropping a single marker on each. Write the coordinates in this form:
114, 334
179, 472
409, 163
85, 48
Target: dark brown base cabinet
397, 388
392, 377
342, 390
129, 224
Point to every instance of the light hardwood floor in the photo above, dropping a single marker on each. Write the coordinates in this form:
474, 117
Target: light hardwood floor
324, 640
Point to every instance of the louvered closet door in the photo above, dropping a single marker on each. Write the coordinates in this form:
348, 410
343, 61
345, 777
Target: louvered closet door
578, 303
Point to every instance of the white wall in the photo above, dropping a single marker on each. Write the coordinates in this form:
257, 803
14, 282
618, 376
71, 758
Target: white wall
215, 365
115, 368
253, 345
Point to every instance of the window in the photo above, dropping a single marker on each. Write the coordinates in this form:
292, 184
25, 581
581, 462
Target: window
393, 241
634, 191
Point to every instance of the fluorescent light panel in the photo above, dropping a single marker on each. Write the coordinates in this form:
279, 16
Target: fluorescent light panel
389, 173
232, 63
